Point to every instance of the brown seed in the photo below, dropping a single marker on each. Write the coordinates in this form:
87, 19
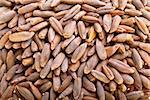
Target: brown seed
45, 96
44, 72
67, 91
141, 25
42, 34
112, 86
115, 23
56, 83
79, 15
107, 21
119, 65
72, 12
4, 39
117, 76
145, 72
27, 52
100, 50
100, 76
88, 85
8, 92
137, 80
69, 29
109, 96
21, 36
138, 4
38, 26
57, 61
127, 79
45, 14
27, 8
137, 59
65, 65
77, 87
65, 84
34, 20
82, 29
10, 60
134, 95
45, 54
122, 4
25, 93
3, 84
11, 72
7, 16
46, 86
78, 53
108, 72
56, 25
91, 64
33, 76
74, 66
35, 91
145, 81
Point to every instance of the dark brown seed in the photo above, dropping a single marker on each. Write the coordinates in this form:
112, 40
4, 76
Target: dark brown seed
35, 91
25, 93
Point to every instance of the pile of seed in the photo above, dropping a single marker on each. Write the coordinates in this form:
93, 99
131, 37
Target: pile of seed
74, 49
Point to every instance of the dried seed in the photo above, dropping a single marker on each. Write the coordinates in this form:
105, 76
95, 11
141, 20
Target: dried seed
44, 72
91, 64
127, 79
56, 83
27, 8
65, 84
145, 81
108, 72
137, 80
69, 29
35, 91
38, 26
11, 72
45, 54
7, 16
57, 61
78, 53
77, 87
134, 95
88, 85
137, 59
46, 86
25, 93
107, 21
100, 50
100, 76
115, 23
119, 65
117, 76
21, 36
